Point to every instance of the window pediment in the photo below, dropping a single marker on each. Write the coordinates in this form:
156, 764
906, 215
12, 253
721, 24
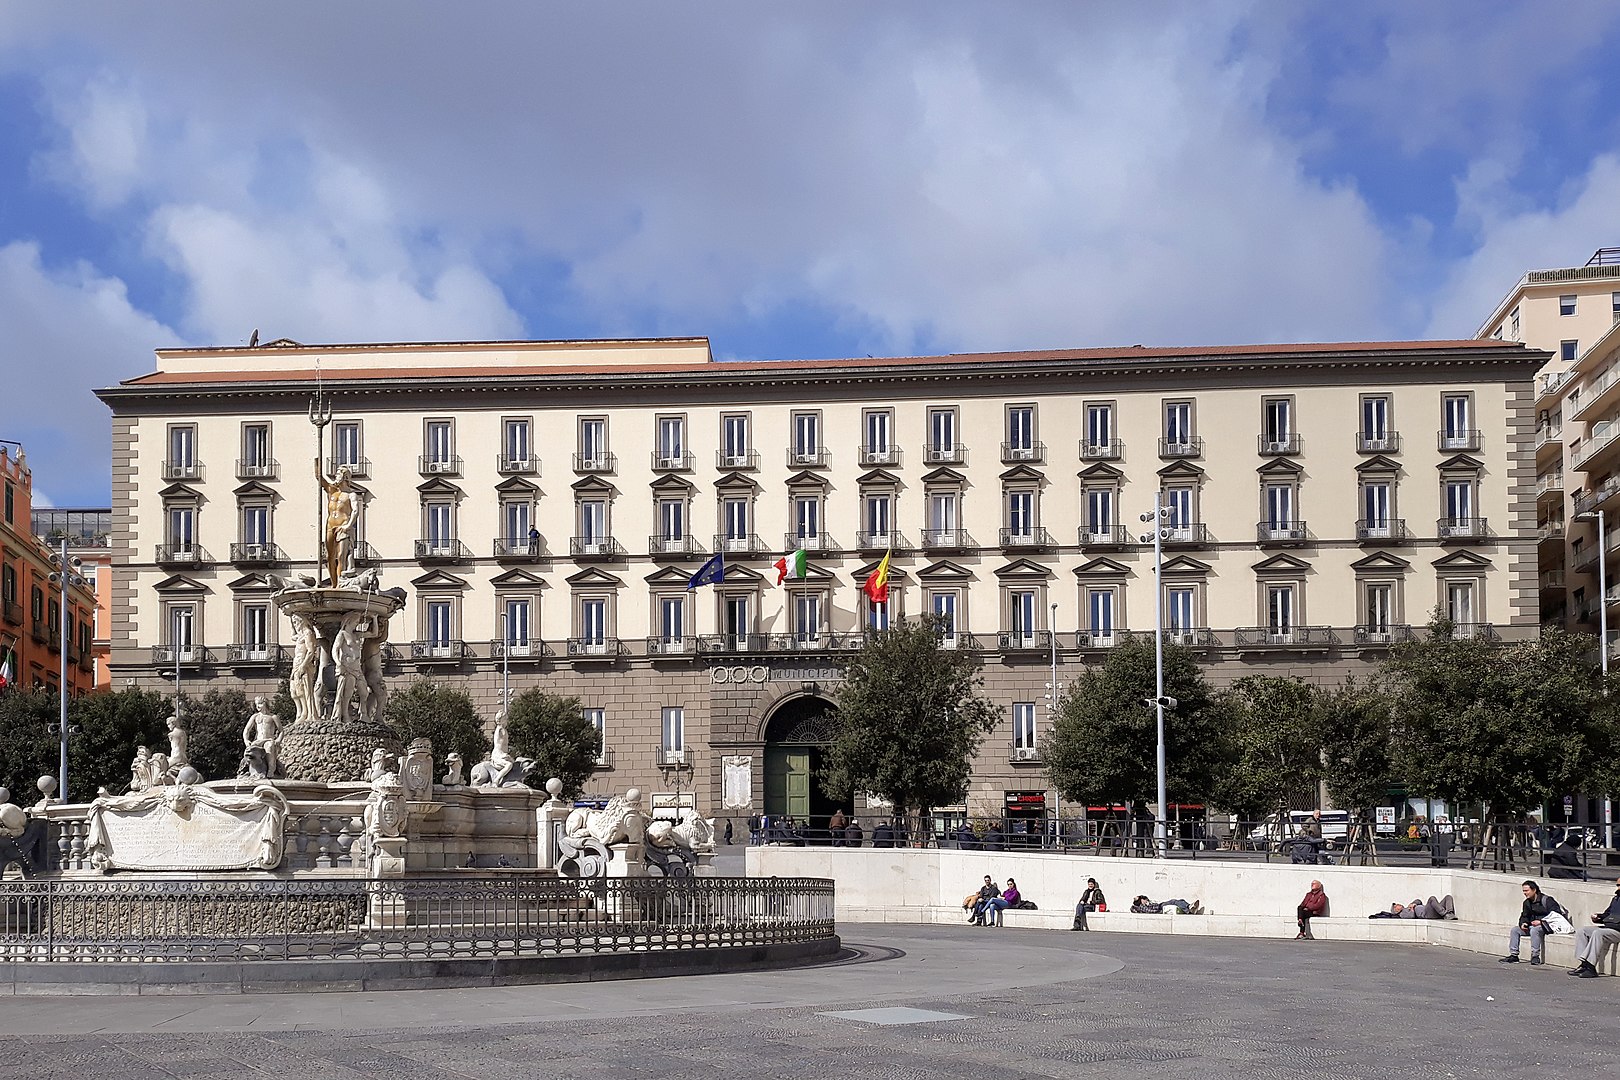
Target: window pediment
181, 491
594, 578
1381, 562
518, 577
1023, 474
736, 575
250, 583
673, 575
673, 484
1462, 560
1281, 467
1102, 568
944, 476
1378, 463
1182, 470
1102, 473
1184, 565
945, 571
438, 579
441, 487
593, 485
253, 489
805, 478
1282, 563
896, 574
878, 478
1461, 463
1023, 568
736, 481
517, 485
180, 585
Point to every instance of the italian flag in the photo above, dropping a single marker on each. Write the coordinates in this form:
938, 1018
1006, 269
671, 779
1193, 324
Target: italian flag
791, 567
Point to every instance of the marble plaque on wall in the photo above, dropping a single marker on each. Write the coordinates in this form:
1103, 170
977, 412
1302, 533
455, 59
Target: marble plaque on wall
736, 782
180, 827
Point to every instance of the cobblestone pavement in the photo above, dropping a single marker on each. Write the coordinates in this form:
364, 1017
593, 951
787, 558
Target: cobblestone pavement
1033, 1004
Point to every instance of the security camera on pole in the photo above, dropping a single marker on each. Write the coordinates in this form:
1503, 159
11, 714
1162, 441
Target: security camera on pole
1160, 517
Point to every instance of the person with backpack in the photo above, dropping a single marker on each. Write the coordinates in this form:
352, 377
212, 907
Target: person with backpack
1538, 909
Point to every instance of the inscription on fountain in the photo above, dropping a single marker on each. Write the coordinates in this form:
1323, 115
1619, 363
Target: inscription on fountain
181, 827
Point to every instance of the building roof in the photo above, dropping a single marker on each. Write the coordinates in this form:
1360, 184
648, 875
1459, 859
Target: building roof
547, 367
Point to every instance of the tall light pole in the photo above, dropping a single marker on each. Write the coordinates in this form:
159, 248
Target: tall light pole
65, 575
506, 663
1603, 641
1159, 515
1051, 715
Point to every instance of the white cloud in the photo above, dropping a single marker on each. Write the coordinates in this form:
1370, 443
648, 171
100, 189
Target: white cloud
68, 332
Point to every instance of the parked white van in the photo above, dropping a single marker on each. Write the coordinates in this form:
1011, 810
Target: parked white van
1335, 826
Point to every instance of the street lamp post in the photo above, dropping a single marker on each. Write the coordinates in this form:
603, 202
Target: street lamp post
506, 664
64, 576
1051, 712
1603, 640
1158, 516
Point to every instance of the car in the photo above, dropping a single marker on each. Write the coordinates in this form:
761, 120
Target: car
1335, 826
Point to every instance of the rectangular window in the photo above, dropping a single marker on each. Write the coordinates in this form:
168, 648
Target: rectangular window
597, 718
807, 618
1279, 501
1023, 715
440, 525
1614, 305
256, 630
182, 526
1375, 508
1021, 514
1179, 501
806, 438
516, 628
1567, 350
1460, 605
734, 522
593, 442
1021, 432
1022, 604
515, 443
807, 517
942, 433
1455, 414
671, 441
672, 619
439, 624
942, 516
734, 616
1513, 323
944, 608
515, 520
255, 525
1280, 611
255, 449
1278, 417
182, 624
1178, 423
1459, 501
182, 448
672, 520
1099, 428
1379, 609
1566, 305
1179, 612
1375, 423
879, 518
1100, 616
1100, 512
877, 616
440, 448
593, 521
734, 442
879, 435
593, 622
674, 730
346, 444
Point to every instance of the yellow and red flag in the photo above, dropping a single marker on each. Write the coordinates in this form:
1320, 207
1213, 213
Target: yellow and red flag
877, 582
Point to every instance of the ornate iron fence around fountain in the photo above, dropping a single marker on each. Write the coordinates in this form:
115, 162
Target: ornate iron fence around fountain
442, 918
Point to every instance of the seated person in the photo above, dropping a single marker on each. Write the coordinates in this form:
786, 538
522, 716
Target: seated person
1593, 942
987, 892
996, 905
1564, 861
1313, 906
1090, 900
1143, 906
1532, 923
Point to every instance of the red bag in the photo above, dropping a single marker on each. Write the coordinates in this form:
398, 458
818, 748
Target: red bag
1102, 906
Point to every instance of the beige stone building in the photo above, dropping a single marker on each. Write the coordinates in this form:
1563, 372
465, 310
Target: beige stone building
1572, 312
544, 504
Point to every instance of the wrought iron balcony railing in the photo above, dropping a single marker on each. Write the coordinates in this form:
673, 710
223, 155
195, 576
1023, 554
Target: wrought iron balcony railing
1189, 447
594, 547
442, 550
1277, 444
262, 469
1029, 538
1029, 453
257, 554
436, 465
736, 459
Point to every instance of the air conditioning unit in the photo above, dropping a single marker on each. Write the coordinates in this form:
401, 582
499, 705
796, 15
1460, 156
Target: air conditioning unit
807, 457
1277, 446
593, 547
440, 466
1024, 753
1182, 637
671, 462
1285, 534
258, 551
517, 464
733, 461
1020, 453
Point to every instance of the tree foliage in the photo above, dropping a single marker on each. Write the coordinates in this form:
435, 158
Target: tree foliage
554, 732
1273, 727
911, 715
1356, 736
1102, 747
443, 715
214, 724
28, 750
1509, 725
111, 726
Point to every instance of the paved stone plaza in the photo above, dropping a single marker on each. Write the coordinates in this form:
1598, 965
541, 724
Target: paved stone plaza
1033, 1003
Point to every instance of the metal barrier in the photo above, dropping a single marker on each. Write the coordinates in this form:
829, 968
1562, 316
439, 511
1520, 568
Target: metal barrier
521, 915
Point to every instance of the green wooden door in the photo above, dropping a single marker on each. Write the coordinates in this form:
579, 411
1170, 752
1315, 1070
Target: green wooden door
787, 781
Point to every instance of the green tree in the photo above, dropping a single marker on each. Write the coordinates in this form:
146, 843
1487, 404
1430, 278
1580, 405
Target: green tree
554, 732
1356, 738
1103, 744
442, 714
1508, 725
214, 724
111, 726
911, 715
1274, 729
28, 750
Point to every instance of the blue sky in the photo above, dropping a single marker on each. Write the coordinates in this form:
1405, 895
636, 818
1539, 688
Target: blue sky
791, 180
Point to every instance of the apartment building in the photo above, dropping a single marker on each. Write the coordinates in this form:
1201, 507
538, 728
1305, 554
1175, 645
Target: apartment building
35, 627
545, 504
1571, 312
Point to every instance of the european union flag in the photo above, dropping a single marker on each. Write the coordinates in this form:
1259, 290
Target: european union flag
710, 572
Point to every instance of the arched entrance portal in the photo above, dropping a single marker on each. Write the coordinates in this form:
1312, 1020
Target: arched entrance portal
795, 736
